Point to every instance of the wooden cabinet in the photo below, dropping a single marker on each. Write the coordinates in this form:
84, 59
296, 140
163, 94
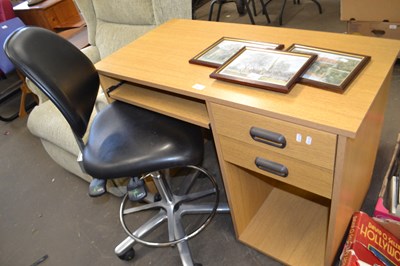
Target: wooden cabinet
290, 186
277, 149
54, 15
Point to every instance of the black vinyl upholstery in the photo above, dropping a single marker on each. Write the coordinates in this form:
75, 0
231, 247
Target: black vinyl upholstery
124, 140
59, 69
136, 141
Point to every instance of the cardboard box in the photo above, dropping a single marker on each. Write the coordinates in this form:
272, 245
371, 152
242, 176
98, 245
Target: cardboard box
370, 10
369, 243
375, 29
391, 225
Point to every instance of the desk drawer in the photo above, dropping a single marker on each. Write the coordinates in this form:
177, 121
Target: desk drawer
280, 167
306, 144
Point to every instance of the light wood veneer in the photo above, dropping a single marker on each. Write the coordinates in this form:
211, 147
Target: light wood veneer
299, 219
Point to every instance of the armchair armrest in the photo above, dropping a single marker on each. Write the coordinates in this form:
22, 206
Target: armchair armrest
35, 90
92, 52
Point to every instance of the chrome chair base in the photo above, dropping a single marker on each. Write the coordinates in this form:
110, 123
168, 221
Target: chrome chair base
170, 206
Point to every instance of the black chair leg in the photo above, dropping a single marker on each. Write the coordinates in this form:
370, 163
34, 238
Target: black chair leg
281, 13
4, 99
296, 2
315, 2
211, 9
10, 118
254, 7
318, 4
264, 9
249, 12
221, 2
219, 11
27, 107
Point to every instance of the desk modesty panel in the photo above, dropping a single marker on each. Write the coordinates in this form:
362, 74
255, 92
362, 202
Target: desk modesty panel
292, 195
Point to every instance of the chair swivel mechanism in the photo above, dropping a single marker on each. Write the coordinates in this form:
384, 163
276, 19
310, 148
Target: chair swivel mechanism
125, 141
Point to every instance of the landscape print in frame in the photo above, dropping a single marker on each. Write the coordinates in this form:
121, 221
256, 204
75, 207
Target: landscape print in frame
219, 52
267, 69
332, 69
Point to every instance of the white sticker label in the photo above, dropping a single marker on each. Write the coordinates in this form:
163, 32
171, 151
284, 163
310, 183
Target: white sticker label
308, 140
198, 87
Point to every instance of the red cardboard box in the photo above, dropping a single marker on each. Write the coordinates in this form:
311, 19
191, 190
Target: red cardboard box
368, 243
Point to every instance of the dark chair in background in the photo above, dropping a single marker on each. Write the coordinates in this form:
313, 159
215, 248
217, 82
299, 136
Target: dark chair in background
280, 17
12, 82
124, 140
196, 4
242, 7
315, 1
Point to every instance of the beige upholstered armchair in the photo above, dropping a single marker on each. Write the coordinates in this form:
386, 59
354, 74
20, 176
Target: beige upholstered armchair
110, 25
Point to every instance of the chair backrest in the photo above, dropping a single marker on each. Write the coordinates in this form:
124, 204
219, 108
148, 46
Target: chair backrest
6, 28
113, 24
59, 69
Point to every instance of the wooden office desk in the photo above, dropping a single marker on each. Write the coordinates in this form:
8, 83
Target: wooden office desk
300, 219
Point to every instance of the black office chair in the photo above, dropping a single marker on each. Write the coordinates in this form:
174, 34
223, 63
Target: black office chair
124, 140
280, 17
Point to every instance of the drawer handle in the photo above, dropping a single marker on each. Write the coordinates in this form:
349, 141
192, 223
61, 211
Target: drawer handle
378, 33
272, 167
268, 137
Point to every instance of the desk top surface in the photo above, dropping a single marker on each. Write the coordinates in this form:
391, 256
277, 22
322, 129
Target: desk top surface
160, 59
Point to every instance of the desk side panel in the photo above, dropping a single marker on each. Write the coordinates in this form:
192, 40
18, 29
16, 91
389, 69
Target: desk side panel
107, 82
354, 167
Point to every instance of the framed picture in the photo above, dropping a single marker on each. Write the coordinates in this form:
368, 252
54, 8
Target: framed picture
219, 52
262, 68
332, 69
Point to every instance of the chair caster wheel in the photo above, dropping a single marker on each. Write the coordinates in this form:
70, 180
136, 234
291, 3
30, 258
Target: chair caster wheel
128, 255
198, 264
157, 197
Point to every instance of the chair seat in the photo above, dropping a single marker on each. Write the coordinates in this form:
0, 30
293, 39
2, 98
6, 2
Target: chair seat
126, 140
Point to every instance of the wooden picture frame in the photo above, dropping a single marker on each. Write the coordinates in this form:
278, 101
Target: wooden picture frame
223, 49
262, 68
332, 69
